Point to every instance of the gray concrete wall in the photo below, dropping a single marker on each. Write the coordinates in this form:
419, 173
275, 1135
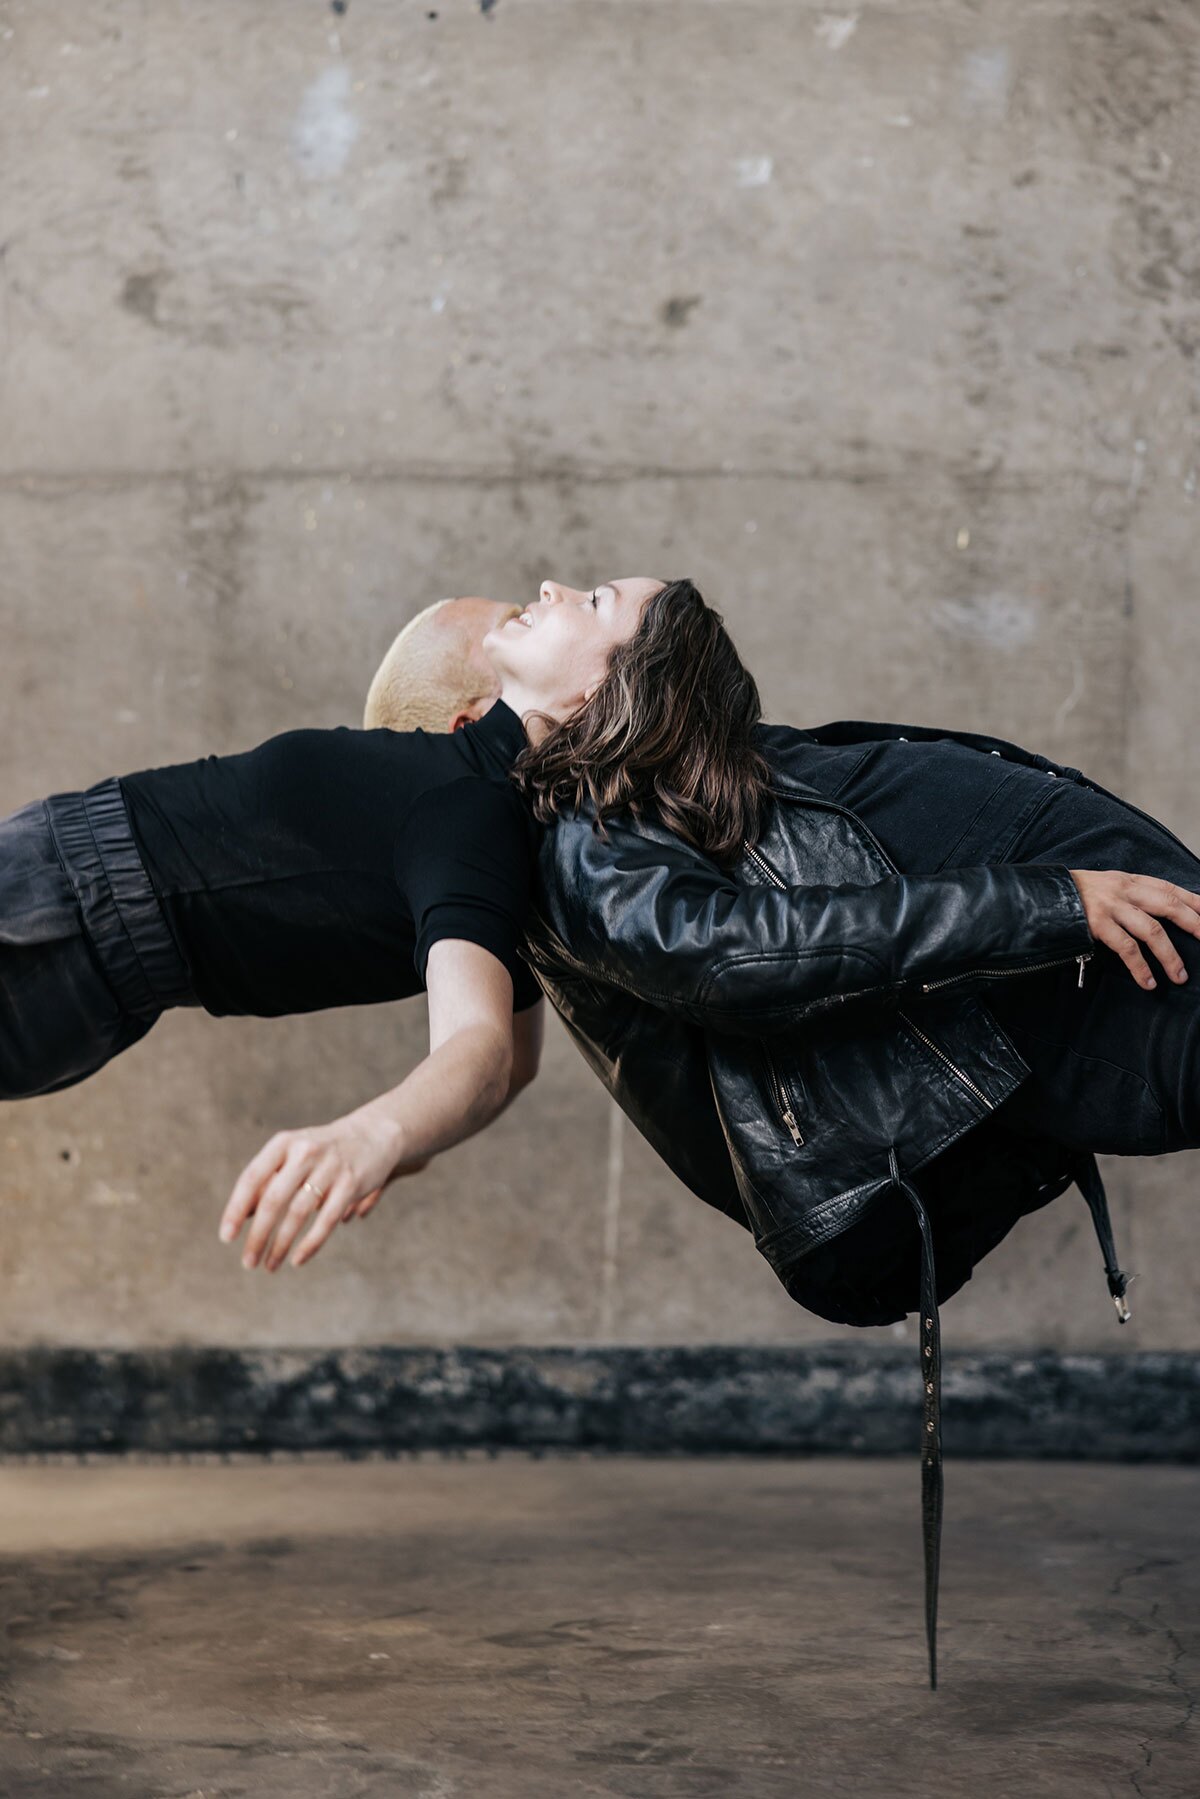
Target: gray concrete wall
881, 324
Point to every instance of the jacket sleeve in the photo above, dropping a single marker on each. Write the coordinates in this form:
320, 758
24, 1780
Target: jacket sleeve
678, 932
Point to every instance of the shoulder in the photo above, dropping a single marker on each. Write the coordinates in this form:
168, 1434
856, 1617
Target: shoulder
469, 797
470, 815
575, 851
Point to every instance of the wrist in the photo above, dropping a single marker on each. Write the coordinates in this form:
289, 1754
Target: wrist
385, 1130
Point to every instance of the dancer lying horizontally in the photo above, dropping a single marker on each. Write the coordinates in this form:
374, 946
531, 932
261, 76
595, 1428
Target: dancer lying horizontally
796, 1047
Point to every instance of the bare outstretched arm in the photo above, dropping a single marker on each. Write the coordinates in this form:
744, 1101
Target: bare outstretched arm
313, 1176
529, 1027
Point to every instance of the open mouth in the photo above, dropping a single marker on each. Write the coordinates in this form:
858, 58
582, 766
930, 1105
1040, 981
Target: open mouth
521, 618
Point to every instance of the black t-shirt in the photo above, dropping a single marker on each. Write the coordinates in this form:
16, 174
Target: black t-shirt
319, 868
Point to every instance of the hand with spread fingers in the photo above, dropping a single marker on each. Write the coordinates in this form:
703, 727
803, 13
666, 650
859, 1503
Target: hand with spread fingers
322, 1176
1123, 909
315, 1177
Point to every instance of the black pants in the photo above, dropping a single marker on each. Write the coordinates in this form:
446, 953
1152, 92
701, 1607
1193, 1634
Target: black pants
87, 959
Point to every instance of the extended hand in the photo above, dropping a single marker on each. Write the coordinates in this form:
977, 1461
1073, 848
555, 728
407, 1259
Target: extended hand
318, 1174
1122, 907
361, 1207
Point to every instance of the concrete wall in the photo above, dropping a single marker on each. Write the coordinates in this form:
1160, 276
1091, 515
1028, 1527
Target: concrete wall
880, 324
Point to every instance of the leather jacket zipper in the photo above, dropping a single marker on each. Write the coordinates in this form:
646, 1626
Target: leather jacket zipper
952, 1066
782, 1099
780, 1091
762, 864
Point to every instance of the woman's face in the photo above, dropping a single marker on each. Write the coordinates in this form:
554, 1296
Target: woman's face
552, 656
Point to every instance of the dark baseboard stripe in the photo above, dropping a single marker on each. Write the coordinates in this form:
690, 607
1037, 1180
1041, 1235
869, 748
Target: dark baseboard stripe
843, 1400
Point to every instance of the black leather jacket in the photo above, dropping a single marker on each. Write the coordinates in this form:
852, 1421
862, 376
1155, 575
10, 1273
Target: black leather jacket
770, 1028
802, 1032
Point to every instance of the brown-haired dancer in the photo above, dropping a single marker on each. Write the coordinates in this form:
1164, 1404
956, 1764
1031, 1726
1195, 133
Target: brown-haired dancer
810, 963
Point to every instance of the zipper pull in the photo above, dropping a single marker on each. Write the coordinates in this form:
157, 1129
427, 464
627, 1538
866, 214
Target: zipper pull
789, 1118
1084, 957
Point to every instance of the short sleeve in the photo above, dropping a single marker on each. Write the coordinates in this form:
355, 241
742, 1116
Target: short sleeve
464, 865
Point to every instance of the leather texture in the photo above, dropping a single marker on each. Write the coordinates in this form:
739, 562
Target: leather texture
791, 984
768, 1027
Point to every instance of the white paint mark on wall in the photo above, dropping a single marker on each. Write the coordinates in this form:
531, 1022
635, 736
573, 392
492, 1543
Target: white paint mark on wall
753, 171
836, 29
987, 75
102, 1193
1076, 694
1139, 464
1003, 621
325, 128
612, 1219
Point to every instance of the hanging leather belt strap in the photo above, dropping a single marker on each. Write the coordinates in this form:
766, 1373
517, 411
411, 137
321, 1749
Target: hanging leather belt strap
931, 1421
1087, 1177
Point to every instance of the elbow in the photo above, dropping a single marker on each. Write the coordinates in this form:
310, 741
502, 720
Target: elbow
496, 1075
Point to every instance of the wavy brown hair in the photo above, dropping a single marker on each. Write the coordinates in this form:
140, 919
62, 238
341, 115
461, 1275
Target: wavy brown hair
667, 734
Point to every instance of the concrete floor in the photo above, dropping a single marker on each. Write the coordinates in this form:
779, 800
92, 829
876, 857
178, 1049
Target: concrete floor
526, 1629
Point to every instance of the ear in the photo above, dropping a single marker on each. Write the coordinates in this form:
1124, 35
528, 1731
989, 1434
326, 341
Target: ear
473, 710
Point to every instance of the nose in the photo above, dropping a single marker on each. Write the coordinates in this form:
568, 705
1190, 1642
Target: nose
555, 594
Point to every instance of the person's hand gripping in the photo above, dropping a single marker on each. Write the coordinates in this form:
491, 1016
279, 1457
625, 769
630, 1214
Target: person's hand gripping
1123, 911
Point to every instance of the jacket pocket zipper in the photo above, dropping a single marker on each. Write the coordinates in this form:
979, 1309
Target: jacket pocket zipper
782, 1098
779, 1090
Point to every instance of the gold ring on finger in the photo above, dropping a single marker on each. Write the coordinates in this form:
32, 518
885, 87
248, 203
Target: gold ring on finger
313, 1189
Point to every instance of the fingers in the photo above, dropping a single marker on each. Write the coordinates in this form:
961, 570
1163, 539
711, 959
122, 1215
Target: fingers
245, 1195
1124, 912
284, 1188
1167, 899
1152, 933
359, 1208
326, 1220
1126, 947
1150, 895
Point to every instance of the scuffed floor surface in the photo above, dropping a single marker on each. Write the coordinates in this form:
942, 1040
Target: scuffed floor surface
511, 1628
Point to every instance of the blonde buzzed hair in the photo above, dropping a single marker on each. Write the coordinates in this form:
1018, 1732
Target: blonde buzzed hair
426, 678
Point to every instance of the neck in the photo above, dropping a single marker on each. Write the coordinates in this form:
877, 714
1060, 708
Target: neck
531, 711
